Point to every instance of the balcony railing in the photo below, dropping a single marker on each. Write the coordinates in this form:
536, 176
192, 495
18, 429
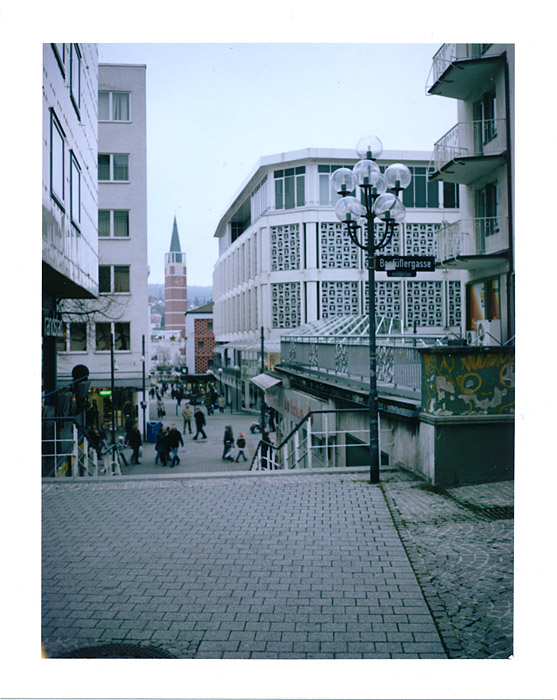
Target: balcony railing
470, 139
449, 53
481, 236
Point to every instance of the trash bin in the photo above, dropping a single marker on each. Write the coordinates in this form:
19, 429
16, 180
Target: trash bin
153, 428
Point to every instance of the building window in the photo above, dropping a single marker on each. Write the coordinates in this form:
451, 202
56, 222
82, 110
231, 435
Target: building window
290, 188
114, 223
75, 191
451, 195
78, 337
114, 279
486, 212
74, 338
420, 192
326, 197
114, 106
75, 76
113, 167
259, 199
485, 129
121, 332
60, 53
200, 343
56, 160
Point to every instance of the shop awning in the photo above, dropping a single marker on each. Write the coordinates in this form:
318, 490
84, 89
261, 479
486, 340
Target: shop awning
265, 381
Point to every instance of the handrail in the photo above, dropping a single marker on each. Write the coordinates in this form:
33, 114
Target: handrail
299, 425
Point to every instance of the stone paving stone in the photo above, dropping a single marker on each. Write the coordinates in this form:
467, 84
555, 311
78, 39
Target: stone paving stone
195, 547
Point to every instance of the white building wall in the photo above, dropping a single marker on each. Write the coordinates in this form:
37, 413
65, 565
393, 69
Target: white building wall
128, 137
308, 283
69, 250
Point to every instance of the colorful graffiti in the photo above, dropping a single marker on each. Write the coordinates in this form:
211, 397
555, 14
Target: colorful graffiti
465, 382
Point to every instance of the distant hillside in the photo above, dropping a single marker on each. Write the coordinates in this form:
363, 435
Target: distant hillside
198, 296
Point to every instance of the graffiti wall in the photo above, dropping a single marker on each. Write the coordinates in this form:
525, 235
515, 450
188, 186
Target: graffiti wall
468, 381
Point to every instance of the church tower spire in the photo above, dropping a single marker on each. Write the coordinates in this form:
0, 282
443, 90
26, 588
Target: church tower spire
175, 285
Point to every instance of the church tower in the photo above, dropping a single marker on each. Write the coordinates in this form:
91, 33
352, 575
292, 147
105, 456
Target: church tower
175, 285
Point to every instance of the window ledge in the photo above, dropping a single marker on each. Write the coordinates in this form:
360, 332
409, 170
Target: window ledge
107, 352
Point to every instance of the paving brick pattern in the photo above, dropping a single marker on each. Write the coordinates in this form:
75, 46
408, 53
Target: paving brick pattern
463, 561
273, 566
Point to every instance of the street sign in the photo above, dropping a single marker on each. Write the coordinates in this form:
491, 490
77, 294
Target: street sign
404, 265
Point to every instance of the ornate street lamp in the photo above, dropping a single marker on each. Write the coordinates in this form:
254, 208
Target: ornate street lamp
359, 216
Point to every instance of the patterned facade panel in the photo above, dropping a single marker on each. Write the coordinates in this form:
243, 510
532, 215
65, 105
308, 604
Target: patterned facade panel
286, 298
419, 239
285, 247
454, 312
339, 299
388, 299
336, 250
424, 303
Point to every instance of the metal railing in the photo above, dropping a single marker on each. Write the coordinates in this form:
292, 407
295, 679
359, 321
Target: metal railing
449, 53
479, 236
66, 452
470, 139
398, 360
317, 442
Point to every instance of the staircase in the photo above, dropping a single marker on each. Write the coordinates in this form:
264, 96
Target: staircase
326, 439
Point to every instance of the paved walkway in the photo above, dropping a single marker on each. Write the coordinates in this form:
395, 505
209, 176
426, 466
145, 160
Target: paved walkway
273, 566
198, 455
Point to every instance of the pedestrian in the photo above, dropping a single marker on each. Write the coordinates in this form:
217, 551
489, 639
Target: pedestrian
208, 403
266, 450
134, 441
94, 440
228, 442
120, 450
199, 423
187, 415
174, 441
160, 408
103, 436
241, 444
221, 403
161, 447
128, 427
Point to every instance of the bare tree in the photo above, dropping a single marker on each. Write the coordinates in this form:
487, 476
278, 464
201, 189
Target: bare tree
106, 306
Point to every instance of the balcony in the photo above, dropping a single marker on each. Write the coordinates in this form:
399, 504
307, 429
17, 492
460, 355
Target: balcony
457, 69
469, 151
466, 240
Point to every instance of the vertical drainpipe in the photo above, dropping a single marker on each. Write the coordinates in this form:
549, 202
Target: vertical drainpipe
510, 203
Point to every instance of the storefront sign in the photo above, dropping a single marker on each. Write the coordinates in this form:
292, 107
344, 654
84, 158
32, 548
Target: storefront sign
53, 327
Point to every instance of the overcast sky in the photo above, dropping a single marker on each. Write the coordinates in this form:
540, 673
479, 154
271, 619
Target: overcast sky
214, 109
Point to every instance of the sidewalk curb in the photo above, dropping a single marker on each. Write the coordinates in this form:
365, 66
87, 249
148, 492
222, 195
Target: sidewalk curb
201, 475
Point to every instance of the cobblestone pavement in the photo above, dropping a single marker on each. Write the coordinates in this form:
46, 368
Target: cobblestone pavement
460, 543
268, 566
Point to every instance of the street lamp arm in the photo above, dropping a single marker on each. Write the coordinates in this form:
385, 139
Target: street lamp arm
352, 233
389, 230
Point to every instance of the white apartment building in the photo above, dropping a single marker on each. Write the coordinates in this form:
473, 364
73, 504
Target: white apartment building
285, 259
478, 154
69, 191
121, 312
